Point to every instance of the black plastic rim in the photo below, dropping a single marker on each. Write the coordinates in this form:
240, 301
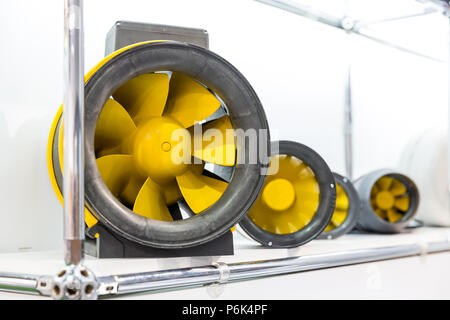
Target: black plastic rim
245, 112
352, 212
323, 214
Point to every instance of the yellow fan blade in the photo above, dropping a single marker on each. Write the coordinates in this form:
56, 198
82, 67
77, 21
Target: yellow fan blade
373, 203
393, 215
307, 198
218, 145
397, 188
150, 203
384, 183
295, 162
381, 213
286, 166
116, 171
290, 221
374, 191
278, 228
307, 195
189, 101
307, 189
114, 126
305, 172
402, 203
131, 190
278, 222
144, 96
341, 199
171, 192
266, 222
199, 191
284, 228
338, 217
304, 217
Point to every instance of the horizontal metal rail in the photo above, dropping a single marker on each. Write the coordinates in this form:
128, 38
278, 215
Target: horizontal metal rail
19, 283
224, 273
349, 24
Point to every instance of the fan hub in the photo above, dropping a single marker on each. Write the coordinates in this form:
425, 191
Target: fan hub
279, 194
385, 200
159, 151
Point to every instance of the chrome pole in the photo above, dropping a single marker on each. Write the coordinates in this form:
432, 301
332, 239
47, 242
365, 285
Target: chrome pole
73, 133
348, 126
19, 283
447, 13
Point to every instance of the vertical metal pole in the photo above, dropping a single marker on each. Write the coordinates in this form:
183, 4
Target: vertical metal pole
448, 111
73, 132
348, 24
348, 126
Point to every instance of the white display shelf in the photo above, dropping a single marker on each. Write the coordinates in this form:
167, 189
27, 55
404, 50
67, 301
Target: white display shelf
424, 276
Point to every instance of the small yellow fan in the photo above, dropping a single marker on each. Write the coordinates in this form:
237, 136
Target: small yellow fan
389, 201
297, 199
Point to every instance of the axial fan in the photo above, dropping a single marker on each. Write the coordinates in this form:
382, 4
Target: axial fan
145, 105
297, 200
388, 201
346, 213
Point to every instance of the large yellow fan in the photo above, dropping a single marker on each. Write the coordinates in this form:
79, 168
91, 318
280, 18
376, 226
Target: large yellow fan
160, 145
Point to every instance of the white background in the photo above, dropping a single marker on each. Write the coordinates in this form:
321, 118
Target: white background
297, 67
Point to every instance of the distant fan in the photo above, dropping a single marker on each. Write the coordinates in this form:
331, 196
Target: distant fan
297, 200
346, 213
425, 159
389, 200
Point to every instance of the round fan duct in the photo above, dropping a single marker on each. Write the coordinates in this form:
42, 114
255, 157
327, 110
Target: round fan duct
346, 212
425, 160
389, 200
297, 200
145, 105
